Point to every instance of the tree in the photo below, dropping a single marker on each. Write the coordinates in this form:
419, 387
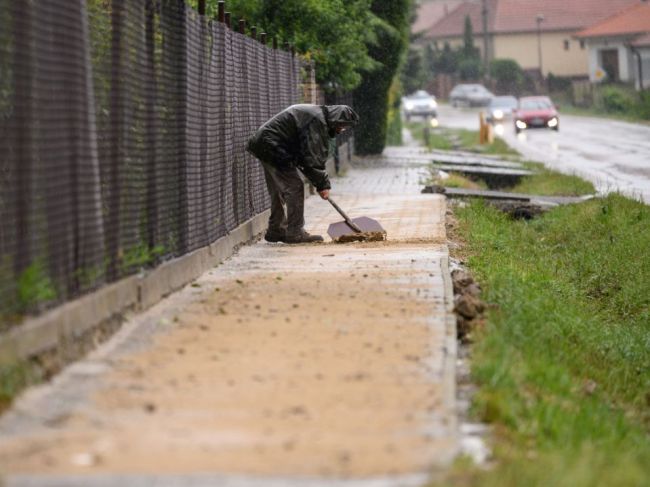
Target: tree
413, 73
469, 51
508, 75
332, 33
447, 60
390, 38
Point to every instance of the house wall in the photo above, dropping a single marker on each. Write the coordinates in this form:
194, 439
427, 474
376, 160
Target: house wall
555, 59
626, 71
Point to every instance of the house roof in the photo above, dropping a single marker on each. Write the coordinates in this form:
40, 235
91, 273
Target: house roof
630, 21
511, 16
430, 11
453, 24
520, 15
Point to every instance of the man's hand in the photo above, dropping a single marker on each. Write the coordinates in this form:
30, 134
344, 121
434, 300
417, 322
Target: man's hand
324, 194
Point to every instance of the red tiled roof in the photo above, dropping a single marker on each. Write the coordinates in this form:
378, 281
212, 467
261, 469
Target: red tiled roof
633, 20
643, 41
453, 25
509, 16
520, 15
429, 12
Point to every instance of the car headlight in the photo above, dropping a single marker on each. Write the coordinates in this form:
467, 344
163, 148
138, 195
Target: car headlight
434, 122
498, 114
520, 124
408, 105
433, 104
553, 122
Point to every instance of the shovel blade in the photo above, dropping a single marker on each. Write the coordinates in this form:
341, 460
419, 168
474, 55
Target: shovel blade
369, 227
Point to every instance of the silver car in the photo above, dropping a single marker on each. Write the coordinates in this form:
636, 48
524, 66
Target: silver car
421, 104
472, 95
501, 108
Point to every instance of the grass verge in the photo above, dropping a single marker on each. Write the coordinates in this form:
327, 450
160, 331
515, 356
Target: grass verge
444, 138
551, 183
563, 364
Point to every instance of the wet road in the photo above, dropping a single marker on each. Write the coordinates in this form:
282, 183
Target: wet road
613, 155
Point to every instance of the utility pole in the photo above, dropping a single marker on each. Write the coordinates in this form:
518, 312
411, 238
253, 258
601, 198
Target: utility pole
484, 13
539, 19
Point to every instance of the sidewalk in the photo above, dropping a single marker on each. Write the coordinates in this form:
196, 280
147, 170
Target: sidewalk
312, 365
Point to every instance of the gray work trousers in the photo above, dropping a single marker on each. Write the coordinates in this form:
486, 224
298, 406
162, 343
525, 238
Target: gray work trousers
286, 189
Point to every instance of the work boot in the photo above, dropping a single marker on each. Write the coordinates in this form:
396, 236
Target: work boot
274, 237
303, 237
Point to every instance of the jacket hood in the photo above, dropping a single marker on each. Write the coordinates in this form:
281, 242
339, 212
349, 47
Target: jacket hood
340, 115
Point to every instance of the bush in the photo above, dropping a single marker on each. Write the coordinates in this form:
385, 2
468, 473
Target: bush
508, 75
558, 83
643, 107
615, 100
469, 69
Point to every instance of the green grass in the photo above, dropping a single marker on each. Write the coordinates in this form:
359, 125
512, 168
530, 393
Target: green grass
444, 138
13, 379
551, 183
570, 310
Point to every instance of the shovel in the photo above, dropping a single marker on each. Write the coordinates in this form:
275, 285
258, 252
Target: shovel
362, 229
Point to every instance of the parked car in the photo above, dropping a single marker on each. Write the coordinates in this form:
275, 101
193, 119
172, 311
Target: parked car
501, 108
420, 103
473, 95
536, 112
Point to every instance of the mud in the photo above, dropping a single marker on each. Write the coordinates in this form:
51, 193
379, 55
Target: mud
362, 237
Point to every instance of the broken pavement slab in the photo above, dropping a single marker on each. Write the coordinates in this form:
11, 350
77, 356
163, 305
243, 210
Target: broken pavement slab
321, 364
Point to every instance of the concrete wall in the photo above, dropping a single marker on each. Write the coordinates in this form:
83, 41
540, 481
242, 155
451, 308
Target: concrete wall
555, 58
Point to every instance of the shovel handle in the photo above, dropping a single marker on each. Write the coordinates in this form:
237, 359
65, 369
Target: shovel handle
350, 223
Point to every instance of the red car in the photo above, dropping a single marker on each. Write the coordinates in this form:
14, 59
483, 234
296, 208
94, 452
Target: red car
536, 112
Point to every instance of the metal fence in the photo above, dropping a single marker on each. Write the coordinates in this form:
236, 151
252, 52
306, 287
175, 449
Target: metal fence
122, 133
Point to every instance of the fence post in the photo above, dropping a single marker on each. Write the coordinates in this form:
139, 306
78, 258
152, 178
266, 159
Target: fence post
228, 19
201, 8
254, 33
116, 156
275, 42
263, 38
242, 26
221, 11
150, 103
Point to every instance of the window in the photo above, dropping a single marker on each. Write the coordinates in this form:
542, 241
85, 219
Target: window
566, 45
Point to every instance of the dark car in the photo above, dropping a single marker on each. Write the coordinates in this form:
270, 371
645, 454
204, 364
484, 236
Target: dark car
501, 108
420, 103
536, 112
472, 95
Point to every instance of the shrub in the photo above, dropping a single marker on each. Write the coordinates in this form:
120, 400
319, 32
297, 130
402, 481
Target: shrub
615, 100
508, 75
469, 69
643, 106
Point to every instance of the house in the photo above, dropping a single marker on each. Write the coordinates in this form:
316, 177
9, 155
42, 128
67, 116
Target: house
539, 35
619, 46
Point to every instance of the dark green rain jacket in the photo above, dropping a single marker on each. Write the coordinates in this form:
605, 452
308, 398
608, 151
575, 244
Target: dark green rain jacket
299, 137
